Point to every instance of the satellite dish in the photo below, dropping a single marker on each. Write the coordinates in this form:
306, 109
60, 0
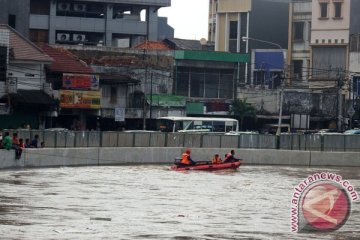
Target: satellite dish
203, 41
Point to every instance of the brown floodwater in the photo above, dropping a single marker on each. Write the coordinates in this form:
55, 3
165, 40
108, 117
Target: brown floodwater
152, 202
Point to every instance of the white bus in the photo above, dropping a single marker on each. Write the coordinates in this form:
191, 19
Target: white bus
197, 124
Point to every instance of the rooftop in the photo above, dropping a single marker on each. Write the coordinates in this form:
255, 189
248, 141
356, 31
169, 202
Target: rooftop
65, 61
21, 49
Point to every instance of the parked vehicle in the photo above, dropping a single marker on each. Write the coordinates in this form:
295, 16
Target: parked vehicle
352, 131
233, 133
272, 128
327, 131
197, 124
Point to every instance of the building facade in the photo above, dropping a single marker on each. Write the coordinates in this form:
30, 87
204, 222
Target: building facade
231, 20
110, 23
25, 96
300, 15
258, 28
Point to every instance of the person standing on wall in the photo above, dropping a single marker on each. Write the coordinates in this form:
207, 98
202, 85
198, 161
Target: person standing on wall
16, 146
7, 141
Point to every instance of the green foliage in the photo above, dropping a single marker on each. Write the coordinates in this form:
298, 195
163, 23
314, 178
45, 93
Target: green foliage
241, 109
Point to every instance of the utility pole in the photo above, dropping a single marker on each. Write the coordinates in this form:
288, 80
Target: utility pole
278, 131
145, 81
151, 95
340, 103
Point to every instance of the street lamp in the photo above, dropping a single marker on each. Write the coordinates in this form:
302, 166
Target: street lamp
245, 39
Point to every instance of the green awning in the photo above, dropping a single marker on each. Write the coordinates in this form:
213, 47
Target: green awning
166, 100
211, 56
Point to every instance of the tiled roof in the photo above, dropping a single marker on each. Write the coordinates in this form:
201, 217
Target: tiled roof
23, 49
153, 45
65, 62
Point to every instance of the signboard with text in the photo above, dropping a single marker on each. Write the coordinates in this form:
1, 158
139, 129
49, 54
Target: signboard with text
119, 114
80, 99
80, 81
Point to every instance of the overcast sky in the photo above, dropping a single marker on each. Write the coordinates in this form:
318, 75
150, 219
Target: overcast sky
189, 18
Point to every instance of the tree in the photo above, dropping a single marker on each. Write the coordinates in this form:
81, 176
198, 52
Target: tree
241, 109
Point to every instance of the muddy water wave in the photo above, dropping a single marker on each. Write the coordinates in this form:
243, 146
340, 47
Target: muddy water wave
151, 202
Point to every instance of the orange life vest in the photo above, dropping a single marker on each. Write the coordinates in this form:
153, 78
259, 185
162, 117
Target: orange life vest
185, 159
216, 160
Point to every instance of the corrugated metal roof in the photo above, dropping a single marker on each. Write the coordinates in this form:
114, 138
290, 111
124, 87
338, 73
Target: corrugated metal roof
65, 61
21, 49
184, 44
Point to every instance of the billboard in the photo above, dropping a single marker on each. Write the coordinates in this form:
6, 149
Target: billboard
80, 81
80, 99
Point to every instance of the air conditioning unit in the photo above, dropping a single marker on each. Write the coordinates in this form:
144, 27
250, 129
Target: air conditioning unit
78, 37
79, 7
63, 37
63, 6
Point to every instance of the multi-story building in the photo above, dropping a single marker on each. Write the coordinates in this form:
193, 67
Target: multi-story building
330, 35
324, 58
231, 20
300, 15
329, 41
117, 23
259, 28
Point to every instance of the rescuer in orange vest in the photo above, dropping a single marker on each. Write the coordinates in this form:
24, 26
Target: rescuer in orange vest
216, 159
186, 159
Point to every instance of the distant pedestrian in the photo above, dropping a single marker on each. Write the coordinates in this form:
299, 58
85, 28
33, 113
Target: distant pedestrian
42, 144
21, 143
16, 146
27, 143
7, 141
34, 143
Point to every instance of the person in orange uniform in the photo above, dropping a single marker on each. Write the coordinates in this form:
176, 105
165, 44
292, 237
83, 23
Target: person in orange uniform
216, 159
186, 159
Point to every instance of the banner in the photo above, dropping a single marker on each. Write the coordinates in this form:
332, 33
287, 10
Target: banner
80, 99
80, 81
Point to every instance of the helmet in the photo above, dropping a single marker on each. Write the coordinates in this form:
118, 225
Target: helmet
188, 151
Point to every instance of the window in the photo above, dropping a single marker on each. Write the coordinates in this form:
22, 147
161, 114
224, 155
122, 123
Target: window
182, 82
197, 83
297, 64
323, 10
38, 35
113, 95
12, 21
233, 36
3, 63
136, 100
337, 9
298, 31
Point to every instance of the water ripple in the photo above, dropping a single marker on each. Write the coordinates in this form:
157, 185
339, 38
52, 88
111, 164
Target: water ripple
150, 202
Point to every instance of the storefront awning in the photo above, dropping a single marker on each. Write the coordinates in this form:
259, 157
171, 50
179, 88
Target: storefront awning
33, 97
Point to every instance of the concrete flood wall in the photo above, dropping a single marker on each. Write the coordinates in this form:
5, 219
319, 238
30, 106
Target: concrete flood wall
92, 156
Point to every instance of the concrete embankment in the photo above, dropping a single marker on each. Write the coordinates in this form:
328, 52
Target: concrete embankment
53, 157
